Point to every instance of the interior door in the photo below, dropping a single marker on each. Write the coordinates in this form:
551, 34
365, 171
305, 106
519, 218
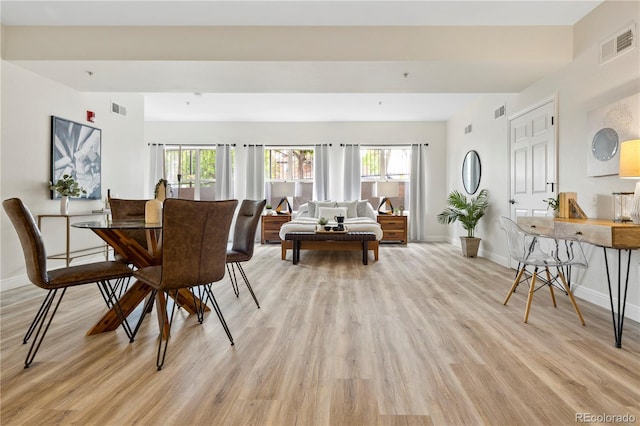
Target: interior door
533, 161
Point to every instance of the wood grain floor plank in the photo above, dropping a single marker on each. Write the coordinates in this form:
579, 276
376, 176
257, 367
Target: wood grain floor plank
420, 337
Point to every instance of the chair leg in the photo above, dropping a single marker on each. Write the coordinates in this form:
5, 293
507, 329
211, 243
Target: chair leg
234, 280
163, 343
532, 287
573, 301
39, 321
216, 307
553, 296
110, 296
246, 281
515, 284
145, 310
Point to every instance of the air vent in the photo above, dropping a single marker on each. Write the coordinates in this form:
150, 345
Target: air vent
621, 42
499, 112
118, 109
467, 129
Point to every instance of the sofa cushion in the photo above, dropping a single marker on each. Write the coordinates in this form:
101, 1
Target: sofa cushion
330, 212
351, 207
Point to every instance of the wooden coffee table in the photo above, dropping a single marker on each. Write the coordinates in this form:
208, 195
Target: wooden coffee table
332, 241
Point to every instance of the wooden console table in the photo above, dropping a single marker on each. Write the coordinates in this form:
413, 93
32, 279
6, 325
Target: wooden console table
620, 236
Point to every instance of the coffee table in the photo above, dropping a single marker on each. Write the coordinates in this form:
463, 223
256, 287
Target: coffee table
331, 241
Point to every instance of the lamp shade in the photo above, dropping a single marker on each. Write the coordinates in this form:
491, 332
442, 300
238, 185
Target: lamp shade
284, 189
630, 159
388, 189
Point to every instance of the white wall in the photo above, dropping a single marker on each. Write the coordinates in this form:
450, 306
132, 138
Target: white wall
28, 102
336, 133
580, 87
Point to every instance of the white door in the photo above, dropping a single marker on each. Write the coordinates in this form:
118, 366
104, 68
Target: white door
533, 161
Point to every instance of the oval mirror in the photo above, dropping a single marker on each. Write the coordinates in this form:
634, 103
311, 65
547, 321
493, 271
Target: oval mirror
471, 171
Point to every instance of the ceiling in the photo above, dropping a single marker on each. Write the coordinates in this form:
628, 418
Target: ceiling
295, 90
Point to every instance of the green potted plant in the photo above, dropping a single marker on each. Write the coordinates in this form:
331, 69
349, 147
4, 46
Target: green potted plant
67, 187
553, 204
268, 208
468, 213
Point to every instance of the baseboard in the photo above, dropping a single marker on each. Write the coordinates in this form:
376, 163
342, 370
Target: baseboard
631, 312
14, 282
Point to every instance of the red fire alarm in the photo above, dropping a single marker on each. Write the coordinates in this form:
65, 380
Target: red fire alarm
91, 116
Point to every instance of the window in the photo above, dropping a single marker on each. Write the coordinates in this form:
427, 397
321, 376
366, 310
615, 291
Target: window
289, 165
190, 172
385, 164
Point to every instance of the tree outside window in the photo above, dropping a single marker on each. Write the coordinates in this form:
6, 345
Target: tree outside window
289, 165
385, 164
191, 172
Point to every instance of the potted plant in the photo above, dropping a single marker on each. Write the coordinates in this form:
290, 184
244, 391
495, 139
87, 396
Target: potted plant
553, 204
268, 208
468, 213
323, 221
67, 187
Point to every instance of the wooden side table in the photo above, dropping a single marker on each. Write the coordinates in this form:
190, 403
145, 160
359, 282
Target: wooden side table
394, 228
270, 229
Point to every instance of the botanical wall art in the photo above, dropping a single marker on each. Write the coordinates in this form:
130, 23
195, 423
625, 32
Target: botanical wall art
75, 151
609, 126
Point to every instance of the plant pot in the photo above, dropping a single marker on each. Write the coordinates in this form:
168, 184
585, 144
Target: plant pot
469, 246
64, 205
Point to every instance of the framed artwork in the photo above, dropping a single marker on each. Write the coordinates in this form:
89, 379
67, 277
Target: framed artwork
609, 126
75, 151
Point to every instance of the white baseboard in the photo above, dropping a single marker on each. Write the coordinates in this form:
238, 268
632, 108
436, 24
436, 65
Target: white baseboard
631, 312
14, 282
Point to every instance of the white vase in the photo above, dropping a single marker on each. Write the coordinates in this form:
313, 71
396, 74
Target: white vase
64, 205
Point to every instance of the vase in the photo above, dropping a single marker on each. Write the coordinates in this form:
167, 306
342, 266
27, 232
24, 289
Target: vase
64, 205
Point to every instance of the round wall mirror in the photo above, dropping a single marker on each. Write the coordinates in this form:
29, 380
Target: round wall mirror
471, 171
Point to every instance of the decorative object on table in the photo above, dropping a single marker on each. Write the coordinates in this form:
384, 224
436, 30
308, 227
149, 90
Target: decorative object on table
284, 190
630, 169
621, 206
553, 204
75, 151
153, 208
608, 126
568, 206
269, 209
387, 190
322, 222
468, 213
66, 187
471, 172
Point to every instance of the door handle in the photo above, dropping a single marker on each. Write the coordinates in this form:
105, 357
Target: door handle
512, 201
552, 185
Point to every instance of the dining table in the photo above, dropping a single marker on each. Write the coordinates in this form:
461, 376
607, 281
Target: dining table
116, 233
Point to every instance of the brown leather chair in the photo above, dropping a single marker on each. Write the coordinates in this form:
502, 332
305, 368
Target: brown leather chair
35, 258
194, 248
244, 236
122, 209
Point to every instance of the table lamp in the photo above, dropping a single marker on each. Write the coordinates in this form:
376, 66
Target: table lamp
386, 191
284, 190
630, 169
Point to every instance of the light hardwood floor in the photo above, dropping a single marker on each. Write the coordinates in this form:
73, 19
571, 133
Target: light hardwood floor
420, 337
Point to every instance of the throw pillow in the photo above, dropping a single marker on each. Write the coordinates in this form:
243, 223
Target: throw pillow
351, 207
319, 204
364, 209
331, 212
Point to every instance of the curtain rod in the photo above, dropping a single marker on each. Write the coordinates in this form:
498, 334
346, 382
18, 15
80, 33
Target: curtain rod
189, 144
386, 145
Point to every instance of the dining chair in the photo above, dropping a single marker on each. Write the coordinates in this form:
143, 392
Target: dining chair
194, 245
123, 209
244, 236
541, 253
35, 256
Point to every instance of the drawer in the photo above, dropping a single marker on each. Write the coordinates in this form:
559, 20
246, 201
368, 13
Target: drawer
393, 234
272, 235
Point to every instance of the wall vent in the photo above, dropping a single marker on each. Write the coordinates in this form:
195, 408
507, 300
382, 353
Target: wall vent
467, 129
499, 112
118, 109
621, 42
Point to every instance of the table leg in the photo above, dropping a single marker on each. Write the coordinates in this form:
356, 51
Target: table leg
618, 316
128, 302
365, 252
296, 251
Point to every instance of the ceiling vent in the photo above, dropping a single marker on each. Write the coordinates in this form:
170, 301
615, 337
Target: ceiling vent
467, 129
118, 109
621, 42
499, 112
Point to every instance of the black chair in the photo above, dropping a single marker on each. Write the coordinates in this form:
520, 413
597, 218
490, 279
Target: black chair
244, 236
35, 258
194, 248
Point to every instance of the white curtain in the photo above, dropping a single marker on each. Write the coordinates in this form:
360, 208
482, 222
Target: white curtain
321, 172
224, 174
156, 166
254, 180
418, 203
352, 173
